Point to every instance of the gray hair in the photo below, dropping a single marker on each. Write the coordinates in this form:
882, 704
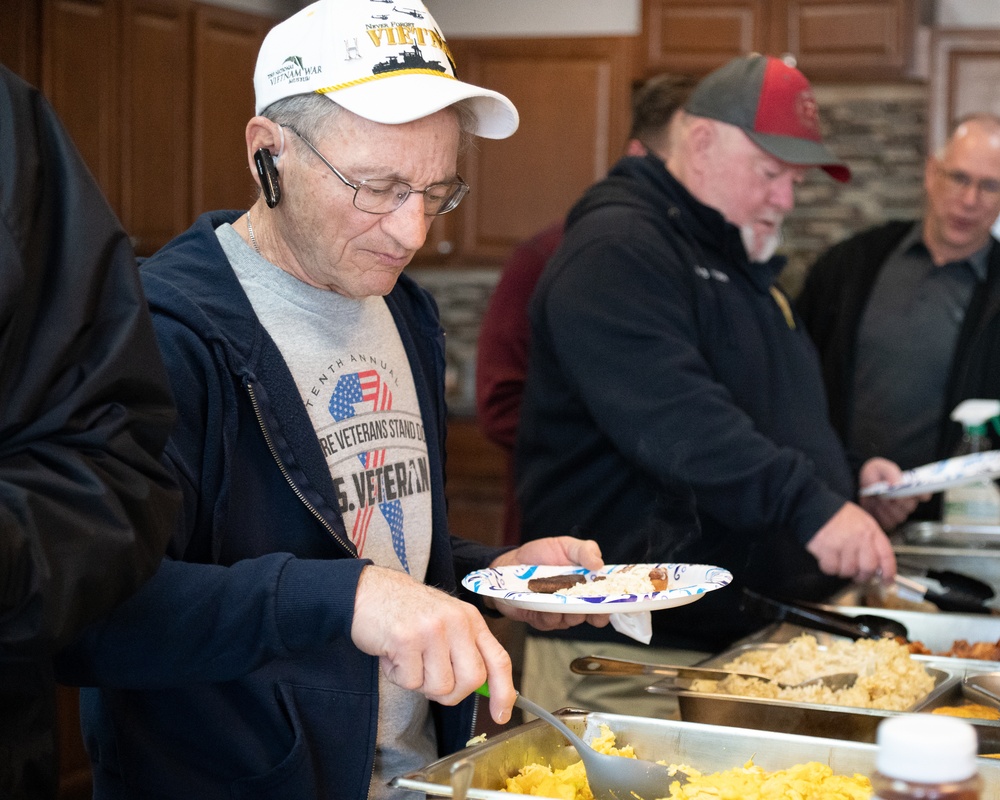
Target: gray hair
312, 114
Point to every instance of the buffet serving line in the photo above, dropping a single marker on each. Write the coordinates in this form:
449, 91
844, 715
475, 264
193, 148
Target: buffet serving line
728, 729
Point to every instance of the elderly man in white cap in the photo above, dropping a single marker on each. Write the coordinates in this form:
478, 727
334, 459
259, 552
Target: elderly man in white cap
314, 547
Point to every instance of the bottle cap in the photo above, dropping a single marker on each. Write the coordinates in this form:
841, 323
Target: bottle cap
926, 748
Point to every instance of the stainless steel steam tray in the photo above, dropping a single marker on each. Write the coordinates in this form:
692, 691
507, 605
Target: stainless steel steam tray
938, 631
939, 533
708, 748
818, 719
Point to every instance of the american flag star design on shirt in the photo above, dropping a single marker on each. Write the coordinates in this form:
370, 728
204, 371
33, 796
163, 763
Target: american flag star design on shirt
352, 390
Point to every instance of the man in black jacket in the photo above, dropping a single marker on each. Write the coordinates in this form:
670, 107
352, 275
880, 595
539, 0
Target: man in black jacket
906, 315
674, 409
85, 410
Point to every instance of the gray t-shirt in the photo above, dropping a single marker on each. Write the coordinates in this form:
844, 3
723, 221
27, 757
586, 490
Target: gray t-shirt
353, 376
906, 344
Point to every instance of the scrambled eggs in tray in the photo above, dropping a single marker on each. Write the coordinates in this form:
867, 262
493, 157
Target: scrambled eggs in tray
723, 762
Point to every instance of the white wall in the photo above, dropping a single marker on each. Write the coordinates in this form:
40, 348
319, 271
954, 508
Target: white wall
549, 18
279, 9
968, 13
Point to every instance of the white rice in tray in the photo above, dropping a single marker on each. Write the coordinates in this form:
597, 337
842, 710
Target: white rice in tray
633, 580
888, 677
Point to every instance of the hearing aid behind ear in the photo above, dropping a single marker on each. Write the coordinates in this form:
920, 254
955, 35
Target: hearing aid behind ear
268, 176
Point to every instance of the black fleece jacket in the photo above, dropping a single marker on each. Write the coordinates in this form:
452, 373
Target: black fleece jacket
86, 508
674, 408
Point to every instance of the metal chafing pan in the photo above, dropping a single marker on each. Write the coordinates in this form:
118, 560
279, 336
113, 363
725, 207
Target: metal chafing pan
939, 533
707, 748
977, 562
987, 730
938, 631
808, 719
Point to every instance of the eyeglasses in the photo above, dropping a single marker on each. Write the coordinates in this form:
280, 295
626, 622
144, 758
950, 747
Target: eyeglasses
385, 195
960, 181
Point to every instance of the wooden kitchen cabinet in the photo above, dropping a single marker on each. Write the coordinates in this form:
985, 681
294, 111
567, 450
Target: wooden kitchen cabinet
81, 63
830, 39
22, 19
225, 46
573, 97
696, 36
965, 78
156, 121
476, 471
847, 39
156, 95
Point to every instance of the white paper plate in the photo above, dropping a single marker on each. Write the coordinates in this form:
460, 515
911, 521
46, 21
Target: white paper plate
686, 584
941, 475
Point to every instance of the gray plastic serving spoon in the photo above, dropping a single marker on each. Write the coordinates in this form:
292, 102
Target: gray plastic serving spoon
617, 667
610, 777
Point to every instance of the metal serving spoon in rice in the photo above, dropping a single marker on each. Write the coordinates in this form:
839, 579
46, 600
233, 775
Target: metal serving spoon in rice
617, 667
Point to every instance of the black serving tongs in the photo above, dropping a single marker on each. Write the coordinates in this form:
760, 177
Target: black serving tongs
863, 626
961, 593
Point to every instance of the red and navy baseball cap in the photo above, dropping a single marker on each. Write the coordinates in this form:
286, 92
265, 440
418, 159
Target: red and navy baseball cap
773, 104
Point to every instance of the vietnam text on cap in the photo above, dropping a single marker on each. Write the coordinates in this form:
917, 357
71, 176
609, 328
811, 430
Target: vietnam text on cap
384, 61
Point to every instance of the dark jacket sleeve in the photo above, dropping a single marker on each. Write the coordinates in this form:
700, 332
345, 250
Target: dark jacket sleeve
86, 507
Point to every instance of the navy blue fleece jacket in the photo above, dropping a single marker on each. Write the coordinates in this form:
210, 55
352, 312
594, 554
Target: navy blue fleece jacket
232, 672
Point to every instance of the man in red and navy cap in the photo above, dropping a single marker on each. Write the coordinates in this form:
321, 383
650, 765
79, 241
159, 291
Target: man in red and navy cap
674, 409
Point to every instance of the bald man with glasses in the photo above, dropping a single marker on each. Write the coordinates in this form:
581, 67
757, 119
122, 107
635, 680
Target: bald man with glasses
906, 315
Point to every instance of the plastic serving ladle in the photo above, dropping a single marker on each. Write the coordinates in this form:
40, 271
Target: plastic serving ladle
610, 777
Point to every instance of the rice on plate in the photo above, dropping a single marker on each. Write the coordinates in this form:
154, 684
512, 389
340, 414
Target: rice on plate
635, 580
889, 679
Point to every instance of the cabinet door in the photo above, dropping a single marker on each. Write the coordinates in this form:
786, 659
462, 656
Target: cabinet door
156, 121
81, 52
19, 50
696, 36
572, 96
965, 78
847, 39
225, 53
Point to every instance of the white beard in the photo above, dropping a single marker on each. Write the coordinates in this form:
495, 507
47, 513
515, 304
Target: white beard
760, 249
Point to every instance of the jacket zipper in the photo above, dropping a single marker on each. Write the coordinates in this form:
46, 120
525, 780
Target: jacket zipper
284, 471
312, 510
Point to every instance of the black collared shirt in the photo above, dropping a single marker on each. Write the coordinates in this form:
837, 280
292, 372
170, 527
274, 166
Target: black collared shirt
905, 347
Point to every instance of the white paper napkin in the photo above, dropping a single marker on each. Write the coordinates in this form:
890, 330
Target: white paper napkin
637, 625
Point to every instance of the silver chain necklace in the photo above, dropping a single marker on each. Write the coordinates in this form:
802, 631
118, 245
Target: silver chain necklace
253, 239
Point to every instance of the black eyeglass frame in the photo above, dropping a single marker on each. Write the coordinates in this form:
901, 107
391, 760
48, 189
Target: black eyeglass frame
450, 205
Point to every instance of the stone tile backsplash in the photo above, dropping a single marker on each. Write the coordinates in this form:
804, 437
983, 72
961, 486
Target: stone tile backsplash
461, 295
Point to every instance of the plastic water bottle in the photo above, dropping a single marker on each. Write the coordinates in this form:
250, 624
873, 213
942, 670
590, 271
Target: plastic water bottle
975, 503
926, 757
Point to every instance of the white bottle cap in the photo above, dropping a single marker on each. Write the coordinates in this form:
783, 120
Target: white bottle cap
926, 748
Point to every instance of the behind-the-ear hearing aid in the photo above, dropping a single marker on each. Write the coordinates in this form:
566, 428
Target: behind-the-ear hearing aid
268, 176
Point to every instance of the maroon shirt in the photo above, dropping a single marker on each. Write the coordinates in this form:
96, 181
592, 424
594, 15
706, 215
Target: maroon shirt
502, 357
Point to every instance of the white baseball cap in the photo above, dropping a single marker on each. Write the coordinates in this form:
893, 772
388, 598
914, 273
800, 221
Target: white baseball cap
384, 60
